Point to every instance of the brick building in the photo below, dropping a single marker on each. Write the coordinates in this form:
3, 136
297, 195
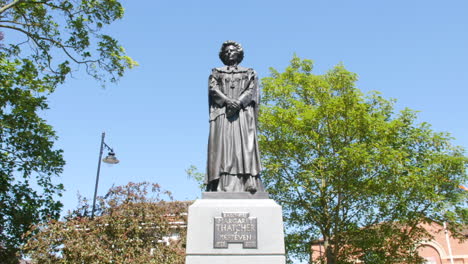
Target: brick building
441, 249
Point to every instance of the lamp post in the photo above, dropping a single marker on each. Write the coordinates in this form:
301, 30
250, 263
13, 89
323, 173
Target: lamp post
110, 159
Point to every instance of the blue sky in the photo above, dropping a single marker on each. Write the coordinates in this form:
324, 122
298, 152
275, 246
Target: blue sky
156, 117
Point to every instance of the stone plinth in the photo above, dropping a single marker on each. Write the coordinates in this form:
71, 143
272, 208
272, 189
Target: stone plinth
235, 231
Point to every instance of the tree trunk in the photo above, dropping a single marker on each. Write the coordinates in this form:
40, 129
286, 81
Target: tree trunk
330, 257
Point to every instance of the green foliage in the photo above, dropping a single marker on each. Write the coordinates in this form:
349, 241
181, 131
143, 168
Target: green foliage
198, 177
130, 227
348, 170
58, 34
27, 156
41, 44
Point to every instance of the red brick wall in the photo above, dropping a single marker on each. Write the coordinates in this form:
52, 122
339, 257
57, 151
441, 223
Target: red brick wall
435, 251
438, 247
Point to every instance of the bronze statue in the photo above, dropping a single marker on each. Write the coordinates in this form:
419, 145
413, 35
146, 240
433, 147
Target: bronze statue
233, 154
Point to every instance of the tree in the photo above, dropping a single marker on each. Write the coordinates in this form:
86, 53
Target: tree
41, 44
133, 225
350, 171
27, 158
199, 177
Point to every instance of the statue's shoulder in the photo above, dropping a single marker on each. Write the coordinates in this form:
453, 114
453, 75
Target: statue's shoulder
217, 70
249, 71
252, 71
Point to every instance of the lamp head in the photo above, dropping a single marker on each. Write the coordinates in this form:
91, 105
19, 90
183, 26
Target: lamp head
110, 159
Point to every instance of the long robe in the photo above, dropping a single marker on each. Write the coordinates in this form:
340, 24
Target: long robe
233, 154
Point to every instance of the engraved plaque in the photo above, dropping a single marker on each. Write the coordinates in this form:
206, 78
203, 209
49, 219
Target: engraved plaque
235, 228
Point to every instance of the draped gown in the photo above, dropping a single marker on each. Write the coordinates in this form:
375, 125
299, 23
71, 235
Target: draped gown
233, 155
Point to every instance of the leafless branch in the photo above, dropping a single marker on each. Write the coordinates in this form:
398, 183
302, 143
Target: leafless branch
9, 5
18, 23
56, 43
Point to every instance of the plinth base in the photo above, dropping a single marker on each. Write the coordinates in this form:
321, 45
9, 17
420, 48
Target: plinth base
235, 231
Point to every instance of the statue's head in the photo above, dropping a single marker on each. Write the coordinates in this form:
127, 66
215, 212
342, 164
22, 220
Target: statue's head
231, 53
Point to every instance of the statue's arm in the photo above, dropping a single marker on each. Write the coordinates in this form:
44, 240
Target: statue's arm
249, 93
216, 95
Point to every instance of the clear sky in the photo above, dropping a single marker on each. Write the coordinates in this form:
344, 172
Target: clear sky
156, 117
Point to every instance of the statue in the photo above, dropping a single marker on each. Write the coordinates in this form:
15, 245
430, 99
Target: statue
233, 154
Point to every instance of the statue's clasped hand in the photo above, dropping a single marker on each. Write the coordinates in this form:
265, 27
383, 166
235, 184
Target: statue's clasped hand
232, 107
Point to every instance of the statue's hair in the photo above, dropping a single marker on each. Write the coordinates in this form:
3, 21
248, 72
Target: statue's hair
239, 48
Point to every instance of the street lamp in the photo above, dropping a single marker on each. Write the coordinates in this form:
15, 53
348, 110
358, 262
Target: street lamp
110, 159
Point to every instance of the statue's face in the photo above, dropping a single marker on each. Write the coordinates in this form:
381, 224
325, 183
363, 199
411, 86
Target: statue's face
232, 54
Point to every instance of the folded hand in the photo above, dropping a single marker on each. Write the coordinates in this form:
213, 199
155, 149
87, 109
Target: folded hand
232, 107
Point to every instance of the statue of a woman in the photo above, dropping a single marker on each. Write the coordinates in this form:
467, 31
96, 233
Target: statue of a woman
233, 155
